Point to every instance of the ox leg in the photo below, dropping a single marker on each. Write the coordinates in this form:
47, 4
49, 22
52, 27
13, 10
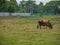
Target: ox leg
50, 26
40, 26
37, 26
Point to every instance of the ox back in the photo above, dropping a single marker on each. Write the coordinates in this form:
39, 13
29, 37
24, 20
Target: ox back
42, 23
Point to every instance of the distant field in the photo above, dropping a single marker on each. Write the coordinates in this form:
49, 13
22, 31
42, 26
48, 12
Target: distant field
23, 31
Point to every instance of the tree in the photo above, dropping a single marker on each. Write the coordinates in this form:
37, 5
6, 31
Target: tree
40, 8
13, 6
27, 6
22, 6
4, 4
8, 6
52, 6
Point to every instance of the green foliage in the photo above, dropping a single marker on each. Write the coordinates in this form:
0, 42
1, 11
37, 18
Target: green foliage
3, 5
13, 6
8, 6
52, 7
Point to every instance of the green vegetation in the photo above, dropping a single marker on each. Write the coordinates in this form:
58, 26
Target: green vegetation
51, 8
23, 31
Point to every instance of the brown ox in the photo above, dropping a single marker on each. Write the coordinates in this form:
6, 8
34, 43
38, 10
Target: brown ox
44, 23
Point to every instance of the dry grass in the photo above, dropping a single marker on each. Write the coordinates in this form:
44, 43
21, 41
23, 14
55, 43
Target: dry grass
23, 31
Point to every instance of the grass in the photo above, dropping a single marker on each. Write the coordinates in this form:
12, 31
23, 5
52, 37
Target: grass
23, 31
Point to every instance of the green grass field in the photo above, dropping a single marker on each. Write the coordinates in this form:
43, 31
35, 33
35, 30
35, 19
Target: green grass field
23, 31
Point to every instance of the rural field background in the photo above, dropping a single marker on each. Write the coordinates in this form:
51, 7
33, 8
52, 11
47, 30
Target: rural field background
23, 31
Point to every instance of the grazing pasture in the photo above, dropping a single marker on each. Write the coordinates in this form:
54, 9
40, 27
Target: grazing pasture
23, 31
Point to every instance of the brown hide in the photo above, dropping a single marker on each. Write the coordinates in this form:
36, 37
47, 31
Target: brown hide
44, 23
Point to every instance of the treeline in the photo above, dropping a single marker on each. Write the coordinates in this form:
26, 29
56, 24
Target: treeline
52, 7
